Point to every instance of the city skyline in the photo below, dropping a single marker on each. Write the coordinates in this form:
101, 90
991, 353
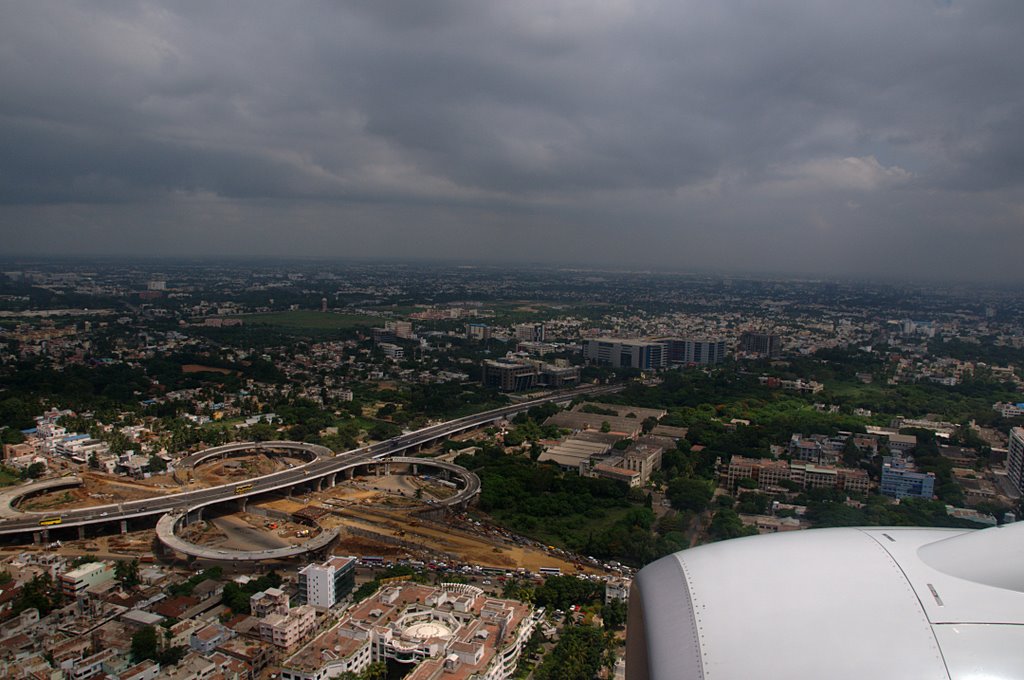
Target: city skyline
871, 140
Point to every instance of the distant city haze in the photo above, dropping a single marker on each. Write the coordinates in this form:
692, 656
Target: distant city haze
869, 139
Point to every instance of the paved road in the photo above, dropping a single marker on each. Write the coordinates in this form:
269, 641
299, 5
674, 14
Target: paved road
321, 467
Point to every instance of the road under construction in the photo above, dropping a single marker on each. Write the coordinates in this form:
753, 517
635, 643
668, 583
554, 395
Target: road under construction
322, 470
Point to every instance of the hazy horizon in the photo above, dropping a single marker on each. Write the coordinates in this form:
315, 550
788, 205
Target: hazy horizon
871, 141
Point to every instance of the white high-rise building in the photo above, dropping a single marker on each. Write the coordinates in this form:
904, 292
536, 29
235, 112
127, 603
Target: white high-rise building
323, 585
1015, 458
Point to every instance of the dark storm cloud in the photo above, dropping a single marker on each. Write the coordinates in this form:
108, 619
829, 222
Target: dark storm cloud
799, 136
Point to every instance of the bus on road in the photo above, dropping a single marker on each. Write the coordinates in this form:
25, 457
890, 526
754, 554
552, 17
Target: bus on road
50, 521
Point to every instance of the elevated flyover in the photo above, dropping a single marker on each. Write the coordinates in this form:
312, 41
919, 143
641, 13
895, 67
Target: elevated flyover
10, 496
168, 525
308, 452
314, 475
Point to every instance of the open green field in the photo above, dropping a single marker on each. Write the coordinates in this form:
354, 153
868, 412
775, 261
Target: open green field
8, 476
569, 531
311, 320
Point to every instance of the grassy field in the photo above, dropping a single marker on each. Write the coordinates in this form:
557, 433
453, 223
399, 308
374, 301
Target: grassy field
311, 320
567, 531
8, 477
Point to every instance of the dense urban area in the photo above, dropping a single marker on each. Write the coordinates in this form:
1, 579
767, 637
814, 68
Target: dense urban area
659, 411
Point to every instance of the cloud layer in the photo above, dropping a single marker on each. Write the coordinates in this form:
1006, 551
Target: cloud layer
819, 138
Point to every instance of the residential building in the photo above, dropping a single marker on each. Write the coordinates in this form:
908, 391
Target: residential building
898, 481
147, 670
286, 630
530, 332
617, 589
91, 666
901, 443
478, 331
323, 585
453, 631
206, 639
769, 473
813, 448
1009, 409
269, 601
392, 351
401, 329
74, 582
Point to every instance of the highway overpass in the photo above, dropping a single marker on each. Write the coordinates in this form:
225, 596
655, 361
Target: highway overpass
323, 469
168, 525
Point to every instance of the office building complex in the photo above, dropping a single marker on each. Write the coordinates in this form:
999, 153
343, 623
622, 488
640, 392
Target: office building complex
509, 375
646, 355
323, 585
693, 351
760, 344
518, 373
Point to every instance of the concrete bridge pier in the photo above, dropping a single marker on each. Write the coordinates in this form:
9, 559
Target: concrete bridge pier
349, 473
81, 532
37, 537
331, 479
242, 503
124, 526
320, 484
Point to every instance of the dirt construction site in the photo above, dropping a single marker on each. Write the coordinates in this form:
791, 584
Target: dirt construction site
100, 488
392, 517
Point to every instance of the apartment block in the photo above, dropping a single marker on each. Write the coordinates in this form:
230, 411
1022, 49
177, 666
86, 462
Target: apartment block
454, 631
898, 481
769, 472
286, 630
73, 583
269, 601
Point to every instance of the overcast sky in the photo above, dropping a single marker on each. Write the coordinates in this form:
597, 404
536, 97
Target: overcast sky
868, 137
